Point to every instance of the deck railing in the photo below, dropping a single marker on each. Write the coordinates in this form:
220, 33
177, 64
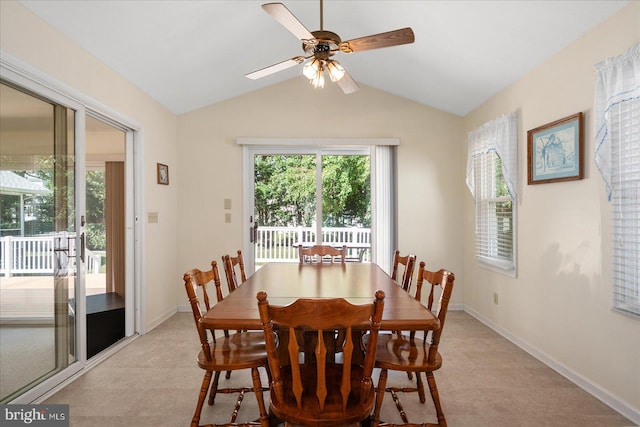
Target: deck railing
280, 244
35, 255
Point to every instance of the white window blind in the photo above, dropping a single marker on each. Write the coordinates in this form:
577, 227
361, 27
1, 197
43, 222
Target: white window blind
617, 120
492, 179
494, 213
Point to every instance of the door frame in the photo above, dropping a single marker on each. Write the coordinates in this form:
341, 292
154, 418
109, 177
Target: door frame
355, 146
23, 75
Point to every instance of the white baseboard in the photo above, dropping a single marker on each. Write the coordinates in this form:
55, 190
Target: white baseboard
595, 390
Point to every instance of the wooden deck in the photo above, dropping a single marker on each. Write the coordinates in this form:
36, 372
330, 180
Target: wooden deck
31, 297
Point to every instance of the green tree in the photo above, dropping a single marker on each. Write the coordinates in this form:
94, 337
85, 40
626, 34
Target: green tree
95, 228
346, 187
43, 206
285, 190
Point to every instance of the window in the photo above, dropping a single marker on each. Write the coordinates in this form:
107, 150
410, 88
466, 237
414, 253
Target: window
491, 177
494, 212
617, 117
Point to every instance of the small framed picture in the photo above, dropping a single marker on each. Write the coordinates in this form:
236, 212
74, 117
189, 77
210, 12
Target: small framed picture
163, 174
555, 151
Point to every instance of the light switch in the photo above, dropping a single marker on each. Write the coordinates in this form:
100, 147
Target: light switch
152, 217
227, 217
227, 203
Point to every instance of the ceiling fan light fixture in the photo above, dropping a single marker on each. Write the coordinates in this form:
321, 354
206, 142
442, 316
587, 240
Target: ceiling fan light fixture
318, 79
335, 70
310, 69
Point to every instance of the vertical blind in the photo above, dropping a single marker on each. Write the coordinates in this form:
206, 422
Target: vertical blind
384, 206
617, 120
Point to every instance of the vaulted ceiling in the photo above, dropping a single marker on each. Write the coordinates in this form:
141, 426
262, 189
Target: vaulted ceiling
188, 54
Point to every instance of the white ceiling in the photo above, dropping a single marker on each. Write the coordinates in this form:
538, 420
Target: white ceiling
188, 54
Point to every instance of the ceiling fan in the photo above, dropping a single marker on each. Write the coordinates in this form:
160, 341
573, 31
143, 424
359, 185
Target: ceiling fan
320, 46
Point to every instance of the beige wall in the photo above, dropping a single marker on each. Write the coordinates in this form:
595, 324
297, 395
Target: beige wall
27, 37
430, 175
560, 303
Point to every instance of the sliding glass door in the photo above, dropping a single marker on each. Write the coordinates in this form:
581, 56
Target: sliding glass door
67, 235
310, 196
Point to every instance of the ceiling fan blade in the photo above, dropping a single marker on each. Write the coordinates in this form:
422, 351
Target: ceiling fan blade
377, 41
347, 84
281, 14
275, 68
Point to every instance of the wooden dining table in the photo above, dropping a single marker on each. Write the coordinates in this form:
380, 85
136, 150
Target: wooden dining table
286, 282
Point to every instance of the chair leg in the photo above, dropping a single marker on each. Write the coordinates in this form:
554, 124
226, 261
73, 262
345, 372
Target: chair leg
433, 389
420, 387
268, 376
195, 422
214, 388
382, 385
257, 389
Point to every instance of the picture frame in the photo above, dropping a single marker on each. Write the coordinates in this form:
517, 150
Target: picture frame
163, 174
555, 151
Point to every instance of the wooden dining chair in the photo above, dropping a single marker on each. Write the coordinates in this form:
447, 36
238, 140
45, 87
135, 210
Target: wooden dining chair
228, 352
408, 263
320, 393
230, 263
319, 253
411, 354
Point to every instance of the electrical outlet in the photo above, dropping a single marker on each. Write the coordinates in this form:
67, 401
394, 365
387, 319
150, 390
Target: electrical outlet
152, 217
227, 217
495, 298
227, 203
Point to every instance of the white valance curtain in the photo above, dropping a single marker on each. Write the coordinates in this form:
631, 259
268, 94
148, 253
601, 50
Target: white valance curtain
499, 135
617, 82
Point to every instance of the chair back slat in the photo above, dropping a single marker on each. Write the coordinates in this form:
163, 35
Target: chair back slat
321, 361
347, 355
294, 350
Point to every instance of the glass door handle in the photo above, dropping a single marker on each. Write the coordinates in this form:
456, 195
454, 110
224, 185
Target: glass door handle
82, 246
253, 232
